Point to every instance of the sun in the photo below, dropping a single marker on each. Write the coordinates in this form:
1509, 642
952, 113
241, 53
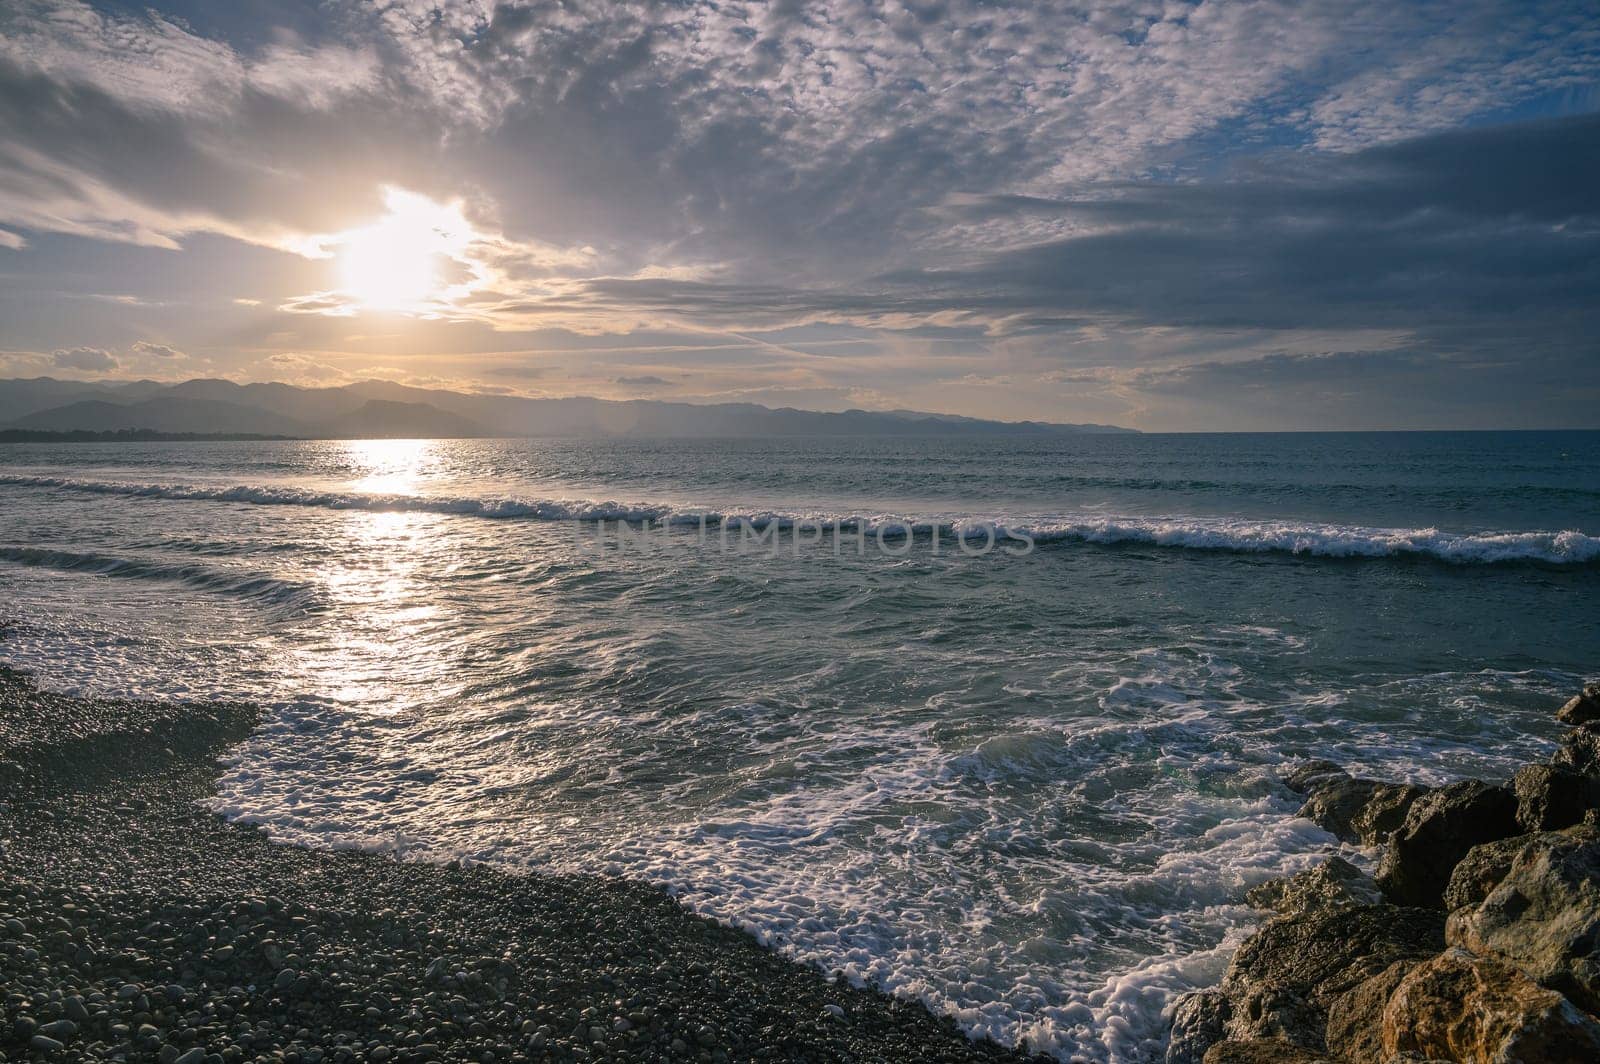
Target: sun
395, 263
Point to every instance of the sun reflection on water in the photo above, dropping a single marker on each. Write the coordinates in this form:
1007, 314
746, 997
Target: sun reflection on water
393, 467
376, 661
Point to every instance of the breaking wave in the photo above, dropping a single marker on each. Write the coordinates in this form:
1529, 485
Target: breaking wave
1567, 547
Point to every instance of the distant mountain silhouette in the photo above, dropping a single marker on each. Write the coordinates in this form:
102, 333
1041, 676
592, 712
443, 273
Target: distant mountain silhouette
164, 414
386, 419
383, 409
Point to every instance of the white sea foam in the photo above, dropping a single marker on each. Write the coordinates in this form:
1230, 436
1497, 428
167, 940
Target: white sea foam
1563, 547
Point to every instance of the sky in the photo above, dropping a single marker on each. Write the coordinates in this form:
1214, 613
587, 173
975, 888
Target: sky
1168, 215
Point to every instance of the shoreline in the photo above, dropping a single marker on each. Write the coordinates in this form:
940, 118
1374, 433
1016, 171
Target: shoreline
135, 925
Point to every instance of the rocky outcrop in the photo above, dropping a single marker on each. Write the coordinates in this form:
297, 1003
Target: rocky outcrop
1481, 870
1355, 1018
1308, 774
1544, 916
1334, 884
1473, 1009
1282, 981
1580, 750
1268, 1052
1360, 810
1551, 797
1439, 830
1199, 1021
1583, 707
1354, 970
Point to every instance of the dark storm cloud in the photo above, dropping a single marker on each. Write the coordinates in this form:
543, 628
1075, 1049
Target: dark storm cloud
1493, 224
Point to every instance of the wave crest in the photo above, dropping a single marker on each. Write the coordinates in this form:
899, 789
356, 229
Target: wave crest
1567, 547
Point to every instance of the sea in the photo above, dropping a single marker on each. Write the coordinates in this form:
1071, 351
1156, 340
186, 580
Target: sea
995, 723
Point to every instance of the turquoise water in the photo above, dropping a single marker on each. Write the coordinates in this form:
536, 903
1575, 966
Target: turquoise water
1027, 784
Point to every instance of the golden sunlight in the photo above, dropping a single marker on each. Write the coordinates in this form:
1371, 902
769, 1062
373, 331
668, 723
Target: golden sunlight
395, 263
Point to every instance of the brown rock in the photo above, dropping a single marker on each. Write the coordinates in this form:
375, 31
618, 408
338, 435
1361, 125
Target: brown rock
1551, 797
1481, 870
1386, 811
1336, 883
1283, 978
1439, 829
1359, 810
1199, 1020
1583, 707
1544, 916
1355, 1018
1473, 1009
1580, 750
1308, 774
1270, 1051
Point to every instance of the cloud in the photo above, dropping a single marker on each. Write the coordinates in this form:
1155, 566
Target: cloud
144, 347
704, 135
11, 240
648, 380
335, 304
85, 359
294, 368
949, 190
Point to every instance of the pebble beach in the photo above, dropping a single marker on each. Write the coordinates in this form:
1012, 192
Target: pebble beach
135, 925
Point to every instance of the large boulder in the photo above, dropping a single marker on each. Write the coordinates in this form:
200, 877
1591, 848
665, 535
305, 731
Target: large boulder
1544, 916
1439, 829
1580, 750
1360, 810
1355, 1018
1481, 1011
1199, 1021
1551, 797
1584, 706
1334, 884
1283, 979
1481, 870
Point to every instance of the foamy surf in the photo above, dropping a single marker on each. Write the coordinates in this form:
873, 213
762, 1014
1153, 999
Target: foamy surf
1564, 547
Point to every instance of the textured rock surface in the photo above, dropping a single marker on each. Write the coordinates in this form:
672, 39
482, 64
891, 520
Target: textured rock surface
1473, 1009
1583, 707
1439, 830
1273, 1051
1550, 797
1580, 749
1481, 870
1309, 774
1355, 1018
1544, 916
1283, 979
1199, 1021
1358, 810
1336, 883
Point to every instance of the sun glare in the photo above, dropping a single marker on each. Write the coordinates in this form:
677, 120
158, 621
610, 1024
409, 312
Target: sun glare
395, 263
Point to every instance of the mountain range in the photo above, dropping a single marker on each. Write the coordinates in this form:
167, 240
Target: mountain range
378, 409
